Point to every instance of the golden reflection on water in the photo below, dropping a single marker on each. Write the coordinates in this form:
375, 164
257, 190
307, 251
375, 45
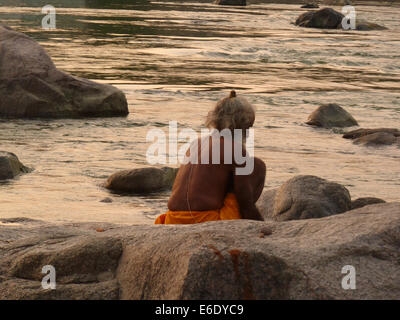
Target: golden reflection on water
174, 61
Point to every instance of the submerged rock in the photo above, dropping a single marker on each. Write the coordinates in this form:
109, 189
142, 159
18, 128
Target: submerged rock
354, 134
10, 166
304, 197
310, 6
231, 2
32, 87
363, 25
227, 260
362, 202
378, 138
328, 18
142, 180
374, 137
325, 18
331, 115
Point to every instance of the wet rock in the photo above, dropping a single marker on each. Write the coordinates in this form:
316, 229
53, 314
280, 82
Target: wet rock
378, 138
10, 166
304, 197
231, 2
142, 180
328, 18
331, 115
366, 201
32, 87
325, 18
362, 25
310, 6
214, 260
354, 134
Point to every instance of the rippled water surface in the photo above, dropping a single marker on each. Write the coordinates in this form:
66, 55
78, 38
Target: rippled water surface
174, 61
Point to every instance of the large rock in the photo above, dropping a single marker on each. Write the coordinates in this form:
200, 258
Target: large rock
142, 180
331, 115
231, 2
304, 197
325, 18
31, 86
239, 259
10, 166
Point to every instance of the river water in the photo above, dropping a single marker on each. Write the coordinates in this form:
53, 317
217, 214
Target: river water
174, 60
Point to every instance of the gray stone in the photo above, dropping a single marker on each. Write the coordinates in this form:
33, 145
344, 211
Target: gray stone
32, 87
142, 180
304, 197
10, 166
331, 115
239, 259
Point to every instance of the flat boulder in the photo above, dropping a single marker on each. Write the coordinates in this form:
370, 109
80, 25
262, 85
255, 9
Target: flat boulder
363, 25
366, 201
331, 115
354, 134
10, 166
304, 197
219, 260
32, 87
378, 138
325, 18
142, 180
231, 2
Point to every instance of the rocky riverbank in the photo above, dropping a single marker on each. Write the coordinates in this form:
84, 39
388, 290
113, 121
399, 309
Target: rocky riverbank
239, 259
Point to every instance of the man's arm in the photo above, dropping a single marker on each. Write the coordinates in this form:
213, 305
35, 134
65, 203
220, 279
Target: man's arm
244, 192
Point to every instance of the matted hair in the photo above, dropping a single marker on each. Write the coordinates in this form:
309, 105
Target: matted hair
231, 113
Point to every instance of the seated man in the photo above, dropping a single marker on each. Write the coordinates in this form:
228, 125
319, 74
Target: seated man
215, 189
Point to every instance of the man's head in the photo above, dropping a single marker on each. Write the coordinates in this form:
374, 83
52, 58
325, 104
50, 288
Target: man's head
231, 113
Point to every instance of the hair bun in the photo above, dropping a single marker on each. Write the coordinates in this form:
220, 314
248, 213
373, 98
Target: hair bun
232, 94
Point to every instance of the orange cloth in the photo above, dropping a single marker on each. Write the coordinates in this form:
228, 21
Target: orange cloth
229, 211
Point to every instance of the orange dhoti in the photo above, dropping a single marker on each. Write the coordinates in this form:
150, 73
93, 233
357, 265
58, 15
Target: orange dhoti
229, 211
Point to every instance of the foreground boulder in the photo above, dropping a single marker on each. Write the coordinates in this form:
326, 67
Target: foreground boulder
304, 197
142, 180
32, 87
231, 2
10, 166
328, 18
239, 259
331, 115
366, 201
